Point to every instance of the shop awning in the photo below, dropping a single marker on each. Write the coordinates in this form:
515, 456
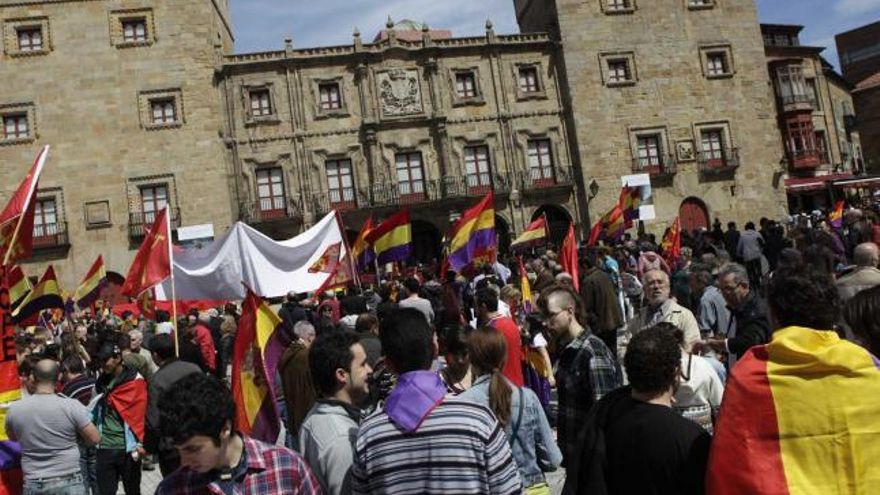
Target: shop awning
805, 184
868, 182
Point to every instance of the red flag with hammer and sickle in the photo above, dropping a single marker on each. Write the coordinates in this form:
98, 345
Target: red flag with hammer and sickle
152, 264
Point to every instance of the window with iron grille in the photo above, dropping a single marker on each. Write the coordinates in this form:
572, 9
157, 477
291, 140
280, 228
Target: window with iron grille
617, 5
618, 70
476, 164
30, 39
528, 80
45, 219
270, 189
410, 177
261, 103
716, 64
153, 199
163, 111
649, 150
330, 97
340, 181
15, 126
465, 85
134, 30
540, 160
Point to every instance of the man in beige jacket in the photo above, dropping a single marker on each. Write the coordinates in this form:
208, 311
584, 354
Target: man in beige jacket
660, 307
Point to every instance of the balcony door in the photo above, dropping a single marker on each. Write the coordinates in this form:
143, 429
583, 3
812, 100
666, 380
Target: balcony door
650, 153
45, 223
270, 192
478, 170
153, 199
540, 163
340, 184
410, 177
712, 147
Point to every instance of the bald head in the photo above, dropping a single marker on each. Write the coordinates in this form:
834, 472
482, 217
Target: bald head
866, 254
46, 371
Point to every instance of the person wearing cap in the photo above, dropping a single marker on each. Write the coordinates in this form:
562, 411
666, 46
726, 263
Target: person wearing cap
120, 414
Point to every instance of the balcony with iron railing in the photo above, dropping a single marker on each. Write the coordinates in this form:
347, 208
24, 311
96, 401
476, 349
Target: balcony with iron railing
658, 167
797, 103
51, 236
338, 199
718, 164
544, 179
475, 185
807, 159
272, 209
139, 223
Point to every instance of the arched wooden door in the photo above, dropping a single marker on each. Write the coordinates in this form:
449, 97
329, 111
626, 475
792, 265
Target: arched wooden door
693, 215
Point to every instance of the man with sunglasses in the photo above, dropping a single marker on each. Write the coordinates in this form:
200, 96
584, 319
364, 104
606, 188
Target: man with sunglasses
586, 370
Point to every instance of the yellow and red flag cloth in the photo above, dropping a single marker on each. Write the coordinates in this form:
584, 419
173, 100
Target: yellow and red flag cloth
90, 288
19, 286
152, 263
342, 276
835, 218
524, 286
328, 261
361, 251
392, 239
10, 391
17, 218
569, 257
609, 228
534, 235
799, 417
671, 245
473, 239
256, 346
45, 295
630, 200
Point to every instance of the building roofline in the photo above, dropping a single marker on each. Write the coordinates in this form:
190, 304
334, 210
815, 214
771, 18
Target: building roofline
873, 25
797, 28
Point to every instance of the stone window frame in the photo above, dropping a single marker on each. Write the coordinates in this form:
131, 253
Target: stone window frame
249, 118
478, 98
623, 10
11, 27
726, 50
134, 185
56, 194
91, 224
702, 5
541, 93
666, 150
145, 99
342, 111
118, 17
726, 135
605, 58
28, 109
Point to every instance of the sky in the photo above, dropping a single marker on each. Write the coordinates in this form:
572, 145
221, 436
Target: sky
261, 25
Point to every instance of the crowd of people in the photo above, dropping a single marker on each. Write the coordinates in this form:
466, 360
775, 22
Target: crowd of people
425, 384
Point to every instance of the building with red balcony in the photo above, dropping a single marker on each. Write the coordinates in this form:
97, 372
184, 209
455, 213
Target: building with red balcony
814, 107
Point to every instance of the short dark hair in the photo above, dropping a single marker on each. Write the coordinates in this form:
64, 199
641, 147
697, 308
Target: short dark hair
750, 226
486, 296
653, 360
329, 352
407, 340
74, 364
862, 314
197, 404
412, 285
365, 322
162, 316
804, 296
163, 346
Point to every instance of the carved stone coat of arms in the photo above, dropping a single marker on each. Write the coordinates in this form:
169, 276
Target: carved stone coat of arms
399, 92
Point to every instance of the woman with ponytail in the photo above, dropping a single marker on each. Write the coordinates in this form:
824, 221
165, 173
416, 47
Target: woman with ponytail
517, 409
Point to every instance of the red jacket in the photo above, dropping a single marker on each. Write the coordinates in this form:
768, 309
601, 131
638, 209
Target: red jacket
206, 345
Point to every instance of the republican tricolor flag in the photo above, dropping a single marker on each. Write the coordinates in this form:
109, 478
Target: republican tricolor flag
90, 288
534, 235
392, 239
835, 218
473, 236
361, 251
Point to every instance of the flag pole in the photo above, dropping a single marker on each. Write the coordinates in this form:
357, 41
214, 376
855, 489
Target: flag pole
173, 289
41, 160
351, 266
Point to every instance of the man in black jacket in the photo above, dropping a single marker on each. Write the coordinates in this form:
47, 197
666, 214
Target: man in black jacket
750, 320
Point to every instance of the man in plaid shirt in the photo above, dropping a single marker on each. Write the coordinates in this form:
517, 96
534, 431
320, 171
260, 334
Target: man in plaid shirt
586, 368
198, 415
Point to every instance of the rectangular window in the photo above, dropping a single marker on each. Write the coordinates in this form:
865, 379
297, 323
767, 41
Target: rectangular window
465, 85
153, 199
163, 111
261, 103
270, 191
701, 3
410, 177
782, 40
716, 64
792, 87
15, 126
528, 80
330, 98
30, 39
476, 164
540, 162
616, 5
340, 183
618, 70
821, 146
649, 150
134, 30
45, 222
712, 147
812, 91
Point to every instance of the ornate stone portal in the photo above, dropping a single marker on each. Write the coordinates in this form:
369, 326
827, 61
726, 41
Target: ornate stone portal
399, 92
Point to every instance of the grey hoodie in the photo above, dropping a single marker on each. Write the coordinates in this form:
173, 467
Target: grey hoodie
326, 441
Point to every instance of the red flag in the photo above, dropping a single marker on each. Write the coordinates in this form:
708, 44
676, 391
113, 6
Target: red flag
17, 218
328, 261
152, 264
130, 401
671, 244
570, 256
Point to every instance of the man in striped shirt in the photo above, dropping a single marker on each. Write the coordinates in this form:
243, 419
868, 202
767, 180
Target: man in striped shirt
423, 442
